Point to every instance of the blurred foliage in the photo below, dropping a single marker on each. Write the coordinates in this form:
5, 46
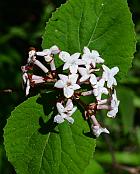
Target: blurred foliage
22, 25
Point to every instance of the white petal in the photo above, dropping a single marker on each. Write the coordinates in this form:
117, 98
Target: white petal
104, 91
75, 56
70, 120
40, 53
105, 76
72, 111
59, 84
97, 130
47, 52
68, 92
85, 57
63, 77
63, 115
54, 50
93, 79
95, 92
66, 65
73, 68
110, 82
64, 56
86, 50
105, 68
80, 62
58, 119
41, 66
27, 87
75, 86
114, 70
101, 82
60, 107
69, 105
99, 60
95, 53
48, 58
73, 78
25, 77
83, 71
112, 113
114, 82
39, 81
84, 78
98, 97
52, 65
93, 63
35, 77
32, 53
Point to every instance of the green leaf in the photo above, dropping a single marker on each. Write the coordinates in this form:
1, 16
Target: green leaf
104, 25
35, 145
127, 158
94, 167
127, 109
137, 131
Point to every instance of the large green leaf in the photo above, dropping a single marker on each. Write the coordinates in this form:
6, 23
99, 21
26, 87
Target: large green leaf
94, 167
35, 145
104, 25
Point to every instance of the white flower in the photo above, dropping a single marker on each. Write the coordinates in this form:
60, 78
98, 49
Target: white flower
91, 58
114, 105
37, 79
97, 130
32, 56
99, 89
26, 82
32, 59
47, 53
108, 75
86, 74
71, 61
54, 49
68, 83
65, 112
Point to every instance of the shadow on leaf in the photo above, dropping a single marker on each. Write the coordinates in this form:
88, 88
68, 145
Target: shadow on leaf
47, 127
48, 100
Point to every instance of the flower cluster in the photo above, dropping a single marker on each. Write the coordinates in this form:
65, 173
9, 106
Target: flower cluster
78, 70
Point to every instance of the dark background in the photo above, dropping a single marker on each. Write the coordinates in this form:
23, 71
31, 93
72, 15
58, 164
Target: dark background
22, 24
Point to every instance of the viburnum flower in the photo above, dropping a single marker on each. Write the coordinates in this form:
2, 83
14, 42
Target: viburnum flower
26, 82
108, 75
97, 130
65, 112
91, 58
32, 59
31, 56
48, 53
114, 105
68, 84
37, 79
86, 74
71, 61
99, 89
81, 70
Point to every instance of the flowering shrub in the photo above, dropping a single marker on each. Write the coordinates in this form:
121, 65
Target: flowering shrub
47, 132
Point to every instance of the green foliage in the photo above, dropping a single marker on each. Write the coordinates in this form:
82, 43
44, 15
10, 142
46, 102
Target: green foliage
38, 145
18, 32
94, 167
127, 110
104, 25
121, 157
